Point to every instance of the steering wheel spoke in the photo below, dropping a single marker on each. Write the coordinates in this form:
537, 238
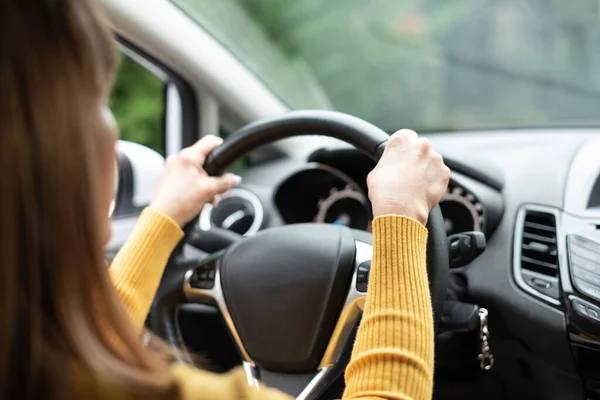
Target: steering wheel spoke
202, 285
338, 349
202, 281
353, 305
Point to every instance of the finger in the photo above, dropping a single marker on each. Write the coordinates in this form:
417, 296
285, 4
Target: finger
424, 146
198, 152
216, 185
216, 200
400, 138
404, 134
437, 157
447, 174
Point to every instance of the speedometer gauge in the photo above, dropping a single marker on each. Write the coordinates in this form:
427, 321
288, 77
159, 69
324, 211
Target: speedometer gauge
347, 207
462, 211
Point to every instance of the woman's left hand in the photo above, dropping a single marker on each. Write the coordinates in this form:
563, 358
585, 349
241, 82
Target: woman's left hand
184, 187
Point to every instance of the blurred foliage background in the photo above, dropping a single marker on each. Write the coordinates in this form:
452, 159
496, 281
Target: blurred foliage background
425, 64
137, 101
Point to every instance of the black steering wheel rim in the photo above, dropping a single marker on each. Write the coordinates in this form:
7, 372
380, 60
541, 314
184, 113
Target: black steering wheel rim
364, 136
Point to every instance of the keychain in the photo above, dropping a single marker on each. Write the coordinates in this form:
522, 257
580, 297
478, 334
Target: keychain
486, 358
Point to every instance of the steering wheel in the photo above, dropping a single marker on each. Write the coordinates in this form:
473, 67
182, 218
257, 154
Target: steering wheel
291, 296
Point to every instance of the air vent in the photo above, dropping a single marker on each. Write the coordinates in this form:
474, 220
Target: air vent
238, 210
538, 246
536, 253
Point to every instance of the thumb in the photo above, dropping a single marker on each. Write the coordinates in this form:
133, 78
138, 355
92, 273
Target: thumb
215, 185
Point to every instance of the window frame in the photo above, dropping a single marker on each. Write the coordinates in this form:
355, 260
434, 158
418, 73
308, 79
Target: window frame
180, 129
180, 124
181, 114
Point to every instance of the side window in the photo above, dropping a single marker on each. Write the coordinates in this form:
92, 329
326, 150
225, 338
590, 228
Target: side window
138, 103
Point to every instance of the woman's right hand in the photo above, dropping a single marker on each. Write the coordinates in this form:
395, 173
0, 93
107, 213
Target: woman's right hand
184, 187
410, 178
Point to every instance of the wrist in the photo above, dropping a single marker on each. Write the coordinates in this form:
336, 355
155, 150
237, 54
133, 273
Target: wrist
167, 212
419, 215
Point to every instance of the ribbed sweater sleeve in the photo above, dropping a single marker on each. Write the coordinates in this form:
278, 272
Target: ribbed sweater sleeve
392, 357
137, 269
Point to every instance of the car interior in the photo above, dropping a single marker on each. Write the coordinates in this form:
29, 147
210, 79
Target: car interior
514, 246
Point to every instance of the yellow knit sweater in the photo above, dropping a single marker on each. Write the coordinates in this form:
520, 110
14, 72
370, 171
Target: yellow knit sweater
393, 353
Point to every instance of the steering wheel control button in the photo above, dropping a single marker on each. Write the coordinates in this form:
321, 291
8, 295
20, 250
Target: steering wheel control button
362, 276
541, 283
204, 277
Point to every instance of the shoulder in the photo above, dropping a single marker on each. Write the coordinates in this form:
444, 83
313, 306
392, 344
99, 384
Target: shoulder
195, 384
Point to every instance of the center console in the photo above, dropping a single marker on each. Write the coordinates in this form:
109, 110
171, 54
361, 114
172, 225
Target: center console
557, 260
583, 305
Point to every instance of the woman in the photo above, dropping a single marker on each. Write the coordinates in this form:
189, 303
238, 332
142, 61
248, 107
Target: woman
69, 330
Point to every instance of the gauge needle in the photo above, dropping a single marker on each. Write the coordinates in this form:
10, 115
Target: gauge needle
232, 219
343, 219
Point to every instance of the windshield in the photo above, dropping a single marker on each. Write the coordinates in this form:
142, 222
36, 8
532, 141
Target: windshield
424, 64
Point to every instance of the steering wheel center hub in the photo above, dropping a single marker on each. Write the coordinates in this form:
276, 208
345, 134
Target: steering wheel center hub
285, 288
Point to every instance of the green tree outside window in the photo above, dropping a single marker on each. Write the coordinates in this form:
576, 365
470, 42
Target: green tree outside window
137, 101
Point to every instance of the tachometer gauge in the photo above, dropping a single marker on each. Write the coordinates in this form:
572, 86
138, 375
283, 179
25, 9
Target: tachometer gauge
347, 207
462, 211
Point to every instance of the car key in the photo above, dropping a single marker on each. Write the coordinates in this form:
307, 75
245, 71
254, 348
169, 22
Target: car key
486, 358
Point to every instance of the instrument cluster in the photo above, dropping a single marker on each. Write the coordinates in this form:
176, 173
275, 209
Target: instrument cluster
462, 210
324, 194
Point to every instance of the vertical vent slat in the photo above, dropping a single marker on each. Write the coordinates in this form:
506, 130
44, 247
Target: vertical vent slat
538, 244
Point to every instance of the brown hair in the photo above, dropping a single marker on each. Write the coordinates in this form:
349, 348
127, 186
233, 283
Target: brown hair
57, 303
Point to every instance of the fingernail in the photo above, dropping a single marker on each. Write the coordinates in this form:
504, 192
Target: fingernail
235, 179
214, 138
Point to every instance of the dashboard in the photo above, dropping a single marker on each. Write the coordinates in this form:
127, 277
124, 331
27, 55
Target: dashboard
530, 192
325, 190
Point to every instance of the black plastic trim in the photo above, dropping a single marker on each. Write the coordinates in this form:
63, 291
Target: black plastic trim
482, 173
123, 201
